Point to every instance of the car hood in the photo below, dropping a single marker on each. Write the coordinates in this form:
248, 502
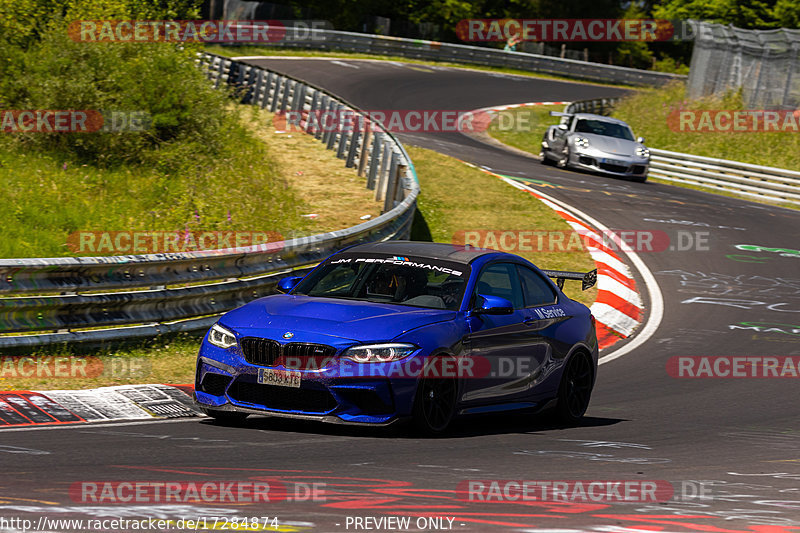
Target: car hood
327, 320
611, 145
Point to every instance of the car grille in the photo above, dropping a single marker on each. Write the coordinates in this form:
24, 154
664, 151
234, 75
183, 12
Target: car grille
282, 398
262, 352
613, 168
585, 160
267, 352
637, 169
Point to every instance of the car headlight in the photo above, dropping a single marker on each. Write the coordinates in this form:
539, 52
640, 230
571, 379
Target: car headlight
222, 337
641, 151
379, 353
581, 142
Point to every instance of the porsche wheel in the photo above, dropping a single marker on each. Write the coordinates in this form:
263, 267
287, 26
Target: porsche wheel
564, 161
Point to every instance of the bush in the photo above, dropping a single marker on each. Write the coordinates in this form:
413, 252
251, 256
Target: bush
156, 79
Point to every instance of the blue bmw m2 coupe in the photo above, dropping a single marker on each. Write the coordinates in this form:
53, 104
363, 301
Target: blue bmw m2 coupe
396, 330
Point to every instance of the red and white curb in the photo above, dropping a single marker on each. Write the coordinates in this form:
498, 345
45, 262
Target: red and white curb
618, 307
465, 121
104, 404
514, 106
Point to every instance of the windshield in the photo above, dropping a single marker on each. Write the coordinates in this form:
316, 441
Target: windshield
601, 127
412, 281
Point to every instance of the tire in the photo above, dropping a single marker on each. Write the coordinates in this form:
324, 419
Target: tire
435, 404
575, 390
544, 159
564, 161
225, 417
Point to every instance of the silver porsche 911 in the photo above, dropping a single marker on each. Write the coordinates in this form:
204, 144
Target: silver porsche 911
597, 144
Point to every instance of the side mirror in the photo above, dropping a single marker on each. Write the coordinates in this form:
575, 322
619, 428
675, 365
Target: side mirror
640, 140
494, 305
562, 127
287, 284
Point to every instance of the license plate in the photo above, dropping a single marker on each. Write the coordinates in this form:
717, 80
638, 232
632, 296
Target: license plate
281, 378
614, 162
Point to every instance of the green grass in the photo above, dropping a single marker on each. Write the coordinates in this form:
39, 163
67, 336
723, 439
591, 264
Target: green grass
168, 359
523, 127
647, 111
48, 196
236, 51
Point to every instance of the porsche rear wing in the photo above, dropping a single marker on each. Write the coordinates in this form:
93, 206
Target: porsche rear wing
588, 279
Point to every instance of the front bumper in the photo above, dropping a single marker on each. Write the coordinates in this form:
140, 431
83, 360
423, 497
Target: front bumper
368, 400
622, 166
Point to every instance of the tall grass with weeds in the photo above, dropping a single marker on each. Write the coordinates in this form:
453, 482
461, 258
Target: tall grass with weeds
647, 112
198, 166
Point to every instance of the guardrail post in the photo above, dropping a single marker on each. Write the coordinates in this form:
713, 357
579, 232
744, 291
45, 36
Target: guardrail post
279, 84
298, 98
362, 164
259, 98
288, 87
323, 110
250, 85
351, 153
220, 73
331, 130
311, 117
399, 194
344, 134
374, 159
268, 88
380, 189
391, 186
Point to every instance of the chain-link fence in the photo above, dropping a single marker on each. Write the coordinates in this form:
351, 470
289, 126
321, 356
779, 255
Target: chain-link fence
764, 63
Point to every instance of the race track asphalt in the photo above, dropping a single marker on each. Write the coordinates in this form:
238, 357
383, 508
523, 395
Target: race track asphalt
737, 439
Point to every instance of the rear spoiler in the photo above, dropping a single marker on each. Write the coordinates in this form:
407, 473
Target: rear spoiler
560, 114
587, 279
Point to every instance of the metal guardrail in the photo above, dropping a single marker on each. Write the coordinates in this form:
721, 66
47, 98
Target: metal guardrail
598, 106
321, 39
743, 179
44, 301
